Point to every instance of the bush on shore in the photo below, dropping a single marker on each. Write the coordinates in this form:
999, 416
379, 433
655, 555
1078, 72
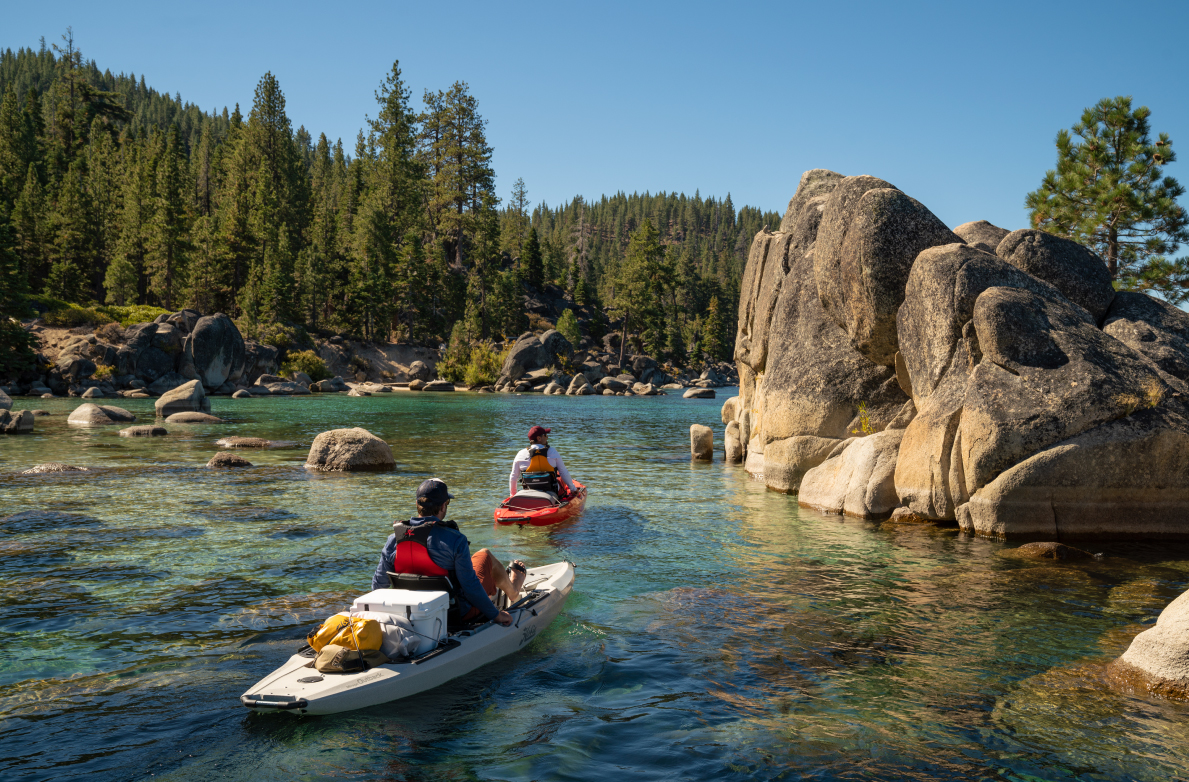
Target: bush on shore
306, 361
471, 363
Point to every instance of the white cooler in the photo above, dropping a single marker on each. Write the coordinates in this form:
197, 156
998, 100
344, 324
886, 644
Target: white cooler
425, 611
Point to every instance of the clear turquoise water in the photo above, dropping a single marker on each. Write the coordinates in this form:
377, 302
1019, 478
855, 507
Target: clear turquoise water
716, 631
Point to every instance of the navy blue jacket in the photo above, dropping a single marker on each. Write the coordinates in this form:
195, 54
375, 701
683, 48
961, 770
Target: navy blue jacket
450, 550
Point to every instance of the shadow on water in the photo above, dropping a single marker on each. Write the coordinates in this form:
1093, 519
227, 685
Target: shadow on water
716, 631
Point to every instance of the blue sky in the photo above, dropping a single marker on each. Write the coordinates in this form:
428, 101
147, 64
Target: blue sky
956, 104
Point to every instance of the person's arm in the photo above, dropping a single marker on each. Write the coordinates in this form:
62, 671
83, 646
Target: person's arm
380, 578
514, 478
468, 582
562, 472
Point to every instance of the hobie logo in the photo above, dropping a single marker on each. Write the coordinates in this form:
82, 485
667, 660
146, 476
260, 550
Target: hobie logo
528, 634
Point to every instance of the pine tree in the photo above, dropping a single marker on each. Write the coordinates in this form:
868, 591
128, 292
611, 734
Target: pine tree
531, 262
1108, 192
16, 344
29, 231
643, 280
72, 249
168, 241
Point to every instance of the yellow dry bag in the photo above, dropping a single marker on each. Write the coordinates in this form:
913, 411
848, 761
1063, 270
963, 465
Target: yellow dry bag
342, 631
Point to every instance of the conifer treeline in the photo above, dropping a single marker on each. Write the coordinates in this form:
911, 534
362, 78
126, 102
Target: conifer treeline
114, 193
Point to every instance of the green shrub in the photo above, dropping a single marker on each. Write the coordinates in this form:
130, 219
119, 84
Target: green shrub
279, 335
453, 365
483, 365
567, 325
133, 313
73, 315
104, 372
306, 361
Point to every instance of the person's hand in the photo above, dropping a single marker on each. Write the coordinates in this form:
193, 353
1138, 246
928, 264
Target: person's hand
504, 618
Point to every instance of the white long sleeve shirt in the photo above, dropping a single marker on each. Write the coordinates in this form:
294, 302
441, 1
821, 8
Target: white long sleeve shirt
520, 464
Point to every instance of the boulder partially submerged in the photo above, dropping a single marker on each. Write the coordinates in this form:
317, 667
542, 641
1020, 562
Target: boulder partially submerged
1158, 658
92, 414
188, 397
16, 422
144, 431
349, 450
226, 460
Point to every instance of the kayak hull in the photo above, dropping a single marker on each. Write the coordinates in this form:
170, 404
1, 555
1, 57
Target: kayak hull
542, 517
331, 693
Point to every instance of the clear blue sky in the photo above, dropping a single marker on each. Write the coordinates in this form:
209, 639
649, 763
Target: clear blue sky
956, 104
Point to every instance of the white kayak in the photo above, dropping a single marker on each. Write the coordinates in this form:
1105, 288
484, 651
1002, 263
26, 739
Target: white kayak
298, 688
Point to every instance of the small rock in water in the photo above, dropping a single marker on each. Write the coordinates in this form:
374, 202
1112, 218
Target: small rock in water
437, 385
16, 422
349, 450
39, 413
416, 385
241, 394
1050, 550
253, 442
225, 459
54, 467
701, 442
357, 392
699, 393
93, 393
193, 418
144, 431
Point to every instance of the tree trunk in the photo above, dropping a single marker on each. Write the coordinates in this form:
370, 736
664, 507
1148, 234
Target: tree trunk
623, 339
1112, 251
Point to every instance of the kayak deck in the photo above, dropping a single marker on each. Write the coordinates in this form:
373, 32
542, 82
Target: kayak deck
298, 688
537, 513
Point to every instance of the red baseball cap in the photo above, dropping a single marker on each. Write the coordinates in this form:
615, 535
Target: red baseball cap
537, 431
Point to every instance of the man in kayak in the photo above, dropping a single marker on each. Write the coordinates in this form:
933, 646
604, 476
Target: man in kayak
541, 458
449, 553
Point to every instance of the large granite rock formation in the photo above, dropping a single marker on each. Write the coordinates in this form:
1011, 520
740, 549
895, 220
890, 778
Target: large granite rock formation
1043, 404
214, 352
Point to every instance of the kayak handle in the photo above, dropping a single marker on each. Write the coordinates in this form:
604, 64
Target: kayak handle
260, 703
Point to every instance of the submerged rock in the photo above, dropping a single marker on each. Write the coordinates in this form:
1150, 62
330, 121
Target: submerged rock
53, 467
1049, 550
144, 431
349, 450
191, 417
226, 459
253, 442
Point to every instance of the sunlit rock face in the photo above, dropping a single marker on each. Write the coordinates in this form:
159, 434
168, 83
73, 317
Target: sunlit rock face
1044, 404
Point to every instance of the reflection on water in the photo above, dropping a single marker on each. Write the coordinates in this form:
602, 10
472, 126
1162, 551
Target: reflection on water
715, 630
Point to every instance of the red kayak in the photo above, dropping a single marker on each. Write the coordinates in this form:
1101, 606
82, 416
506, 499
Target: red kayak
539, 508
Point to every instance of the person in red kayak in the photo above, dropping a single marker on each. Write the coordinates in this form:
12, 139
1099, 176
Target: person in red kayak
429, 546
541, 466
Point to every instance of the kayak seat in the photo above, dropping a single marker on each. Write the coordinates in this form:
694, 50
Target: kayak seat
421, 583
529, 499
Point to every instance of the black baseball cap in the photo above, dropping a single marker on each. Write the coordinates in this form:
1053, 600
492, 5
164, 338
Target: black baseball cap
434, 490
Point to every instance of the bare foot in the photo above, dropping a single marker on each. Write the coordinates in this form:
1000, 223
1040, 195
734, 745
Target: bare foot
517, 578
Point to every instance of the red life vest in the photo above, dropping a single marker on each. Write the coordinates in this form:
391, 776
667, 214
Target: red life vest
412, 556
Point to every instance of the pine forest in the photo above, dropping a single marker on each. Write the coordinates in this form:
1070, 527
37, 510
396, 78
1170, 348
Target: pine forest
113, 194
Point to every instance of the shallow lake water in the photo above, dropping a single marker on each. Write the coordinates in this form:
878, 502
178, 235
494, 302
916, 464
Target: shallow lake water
715, 631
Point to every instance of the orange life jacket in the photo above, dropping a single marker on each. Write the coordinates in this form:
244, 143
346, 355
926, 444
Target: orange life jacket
538, 459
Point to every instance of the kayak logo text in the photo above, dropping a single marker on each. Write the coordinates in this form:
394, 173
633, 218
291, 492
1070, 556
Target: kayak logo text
528, 634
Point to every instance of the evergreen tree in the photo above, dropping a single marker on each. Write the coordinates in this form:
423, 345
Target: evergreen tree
72, 249
29, 231
16, 344
1108, 192
168, 235
643, 280
531, 262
